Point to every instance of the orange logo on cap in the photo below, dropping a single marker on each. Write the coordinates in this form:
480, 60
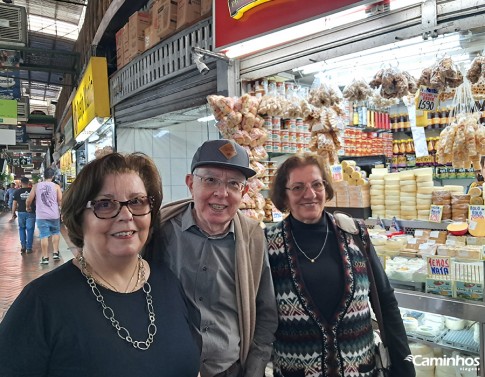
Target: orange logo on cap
228, 150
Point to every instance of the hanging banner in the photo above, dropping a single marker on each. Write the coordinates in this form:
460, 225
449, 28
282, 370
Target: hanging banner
9, 78
239, 20
8, 111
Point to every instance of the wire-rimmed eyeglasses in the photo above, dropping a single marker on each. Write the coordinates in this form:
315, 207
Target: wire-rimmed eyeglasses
299, 188
214, 183
110, 208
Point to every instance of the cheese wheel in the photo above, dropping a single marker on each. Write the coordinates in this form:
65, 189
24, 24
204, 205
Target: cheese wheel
477, 228
392, 192
377, 207
426, 184
425, 190
423, 207
476, 200
408, 182
392, 177
408, 189
394, 183
423, 196
422, 171
405, 175
346, 163
407, 195
475, 191
379, 171
454, 188
424, 178
423, 212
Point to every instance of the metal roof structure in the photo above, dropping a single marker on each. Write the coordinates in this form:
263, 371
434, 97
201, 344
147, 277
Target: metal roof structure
53, 28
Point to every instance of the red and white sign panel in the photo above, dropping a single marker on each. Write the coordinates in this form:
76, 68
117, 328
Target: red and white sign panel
239, 20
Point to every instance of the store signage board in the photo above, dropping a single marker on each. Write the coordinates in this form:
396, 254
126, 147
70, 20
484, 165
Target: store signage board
256, 18
92, 97
8, 112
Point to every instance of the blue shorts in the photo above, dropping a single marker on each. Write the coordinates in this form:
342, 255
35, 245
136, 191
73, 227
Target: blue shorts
48, 228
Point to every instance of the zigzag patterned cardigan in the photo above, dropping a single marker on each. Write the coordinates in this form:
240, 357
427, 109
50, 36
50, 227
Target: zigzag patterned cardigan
306, 345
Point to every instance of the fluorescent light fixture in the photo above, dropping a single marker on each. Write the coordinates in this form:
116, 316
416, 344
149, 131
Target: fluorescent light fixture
398, 4
91, 128
296, 32
417, 49
206, 119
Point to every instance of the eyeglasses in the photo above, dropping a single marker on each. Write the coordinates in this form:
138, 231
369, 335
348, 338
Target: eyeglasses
300, 188
110, 208
213, 183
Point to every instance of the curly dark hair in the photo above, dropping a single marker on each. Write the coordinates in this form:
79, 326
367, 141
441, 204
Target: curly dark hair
90, 180
278, 192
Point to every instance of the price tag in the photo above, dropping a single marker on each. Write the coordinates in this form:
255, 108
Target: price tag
476, 212
337, 173
435, 213
428, 99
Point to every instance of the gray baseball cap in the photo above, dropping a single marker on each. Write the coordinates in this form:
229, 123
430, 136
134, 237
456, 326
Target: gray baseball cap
222, 153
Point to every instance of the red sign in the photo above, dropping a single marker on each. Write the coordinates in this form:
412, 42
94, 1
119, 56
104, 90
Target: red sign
267, 17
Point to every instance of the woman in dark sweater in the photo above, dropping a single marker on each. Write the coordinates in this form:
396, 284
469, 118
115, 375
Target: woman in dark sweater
319, 269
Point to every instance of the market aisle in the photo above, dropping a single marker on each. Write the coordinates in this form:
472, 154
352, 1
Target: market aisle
16, 270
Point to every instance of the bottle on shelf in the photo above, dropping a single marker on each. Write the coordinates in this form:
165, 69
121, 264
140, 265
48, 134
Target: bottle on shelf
355, 116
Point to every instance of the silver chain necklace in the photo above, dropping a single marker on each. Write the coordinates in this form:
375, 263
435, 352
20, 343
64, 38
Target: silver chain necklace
109, 314
306, 256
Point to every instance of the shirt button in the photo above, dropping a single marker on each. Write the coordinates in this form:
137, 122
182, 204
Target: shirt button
204, 268
205, 329
201, 298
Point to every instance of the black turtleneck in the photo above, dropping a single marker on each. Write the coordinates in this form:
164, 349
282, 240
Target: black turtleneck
324, 278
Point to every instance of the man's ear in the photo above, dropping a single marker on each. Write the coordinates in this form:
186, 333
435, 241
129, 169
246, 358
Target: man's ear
189, 181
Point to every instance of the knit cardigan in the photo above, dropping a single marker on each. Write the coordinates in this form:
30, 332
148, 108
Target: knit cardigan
250, 246
306, 344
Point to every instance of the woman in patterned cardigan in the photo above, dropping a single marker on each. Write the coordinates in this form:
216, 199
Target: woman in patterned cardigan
322, 289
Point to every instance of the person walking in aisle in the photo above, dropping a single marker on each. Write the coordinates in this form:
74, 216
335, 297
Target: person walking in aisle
9, 199
321, 272
107, 312
26, 219
48, 197
220, 257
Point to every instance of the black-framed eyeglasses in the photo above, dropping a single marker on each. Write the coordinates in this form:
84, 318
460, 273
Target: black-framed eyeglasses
214, 183
110, 208
299, 188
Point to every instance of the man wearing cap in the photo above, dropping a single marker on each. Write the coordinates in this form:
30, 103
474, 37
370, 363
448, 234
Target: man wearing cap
48, 198
220, 257
26, 219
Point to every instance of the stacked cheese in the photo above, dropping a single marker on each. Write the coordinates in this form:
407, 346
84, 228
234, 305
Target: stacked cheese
459, 207
424, 190
377, 193
353, 174
392, 201
408, 195
476, 195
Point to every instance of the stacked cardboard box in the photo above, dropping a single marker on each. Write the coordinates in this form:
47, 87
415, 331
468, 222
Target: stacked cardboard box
164, 17
205, 7
120, 56
126, 45
341, 190
187, 12
137, 24
359, 196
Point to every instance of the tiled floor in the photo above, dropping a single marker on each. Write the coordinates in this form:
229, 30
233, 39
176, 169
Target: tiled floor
16, 270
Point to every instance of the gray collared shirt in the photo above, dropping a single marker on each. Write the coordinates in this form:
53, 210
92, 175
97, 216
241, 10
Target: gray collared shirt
205, 266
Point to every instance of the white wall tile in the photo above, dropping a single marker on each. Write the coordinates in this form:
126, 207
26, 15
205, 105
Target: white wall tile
180, 192
125, 140
178, 170
178, 144
143, 141
161, 143
163, 165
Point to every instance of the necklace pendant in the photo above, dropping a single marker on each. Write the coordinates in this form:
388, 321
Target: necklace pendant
312, 260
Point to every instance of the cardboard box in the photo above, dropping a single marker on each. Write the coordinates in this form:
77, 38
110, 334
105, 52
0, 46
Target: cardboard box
120, 56
126, 45
164, 17
187, 12
151, 37
205, 7
137, 24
